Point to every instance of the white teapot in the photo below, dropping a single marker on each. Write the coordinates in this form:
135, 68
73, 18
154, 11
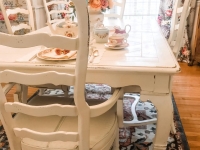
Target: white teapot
69, 29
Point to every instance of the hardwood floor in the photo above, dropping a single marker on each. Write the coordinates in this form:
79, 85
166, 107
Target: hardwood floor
186, 90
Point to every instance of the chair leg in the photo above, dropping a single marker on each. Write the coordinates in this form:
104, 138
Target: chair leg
17, 94
24, 93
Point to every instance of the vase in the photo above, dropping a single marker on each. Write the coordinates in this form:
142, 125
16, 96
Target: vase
95, 16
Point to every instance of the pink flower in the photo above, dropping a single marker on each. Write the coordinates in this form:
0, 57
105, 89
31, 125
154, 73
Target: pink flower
12, 17
1, 16
168, 12
104, 4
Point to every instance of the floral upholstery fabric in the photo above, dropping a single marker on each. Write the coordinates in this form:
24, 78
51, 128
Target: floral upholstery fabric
164, 20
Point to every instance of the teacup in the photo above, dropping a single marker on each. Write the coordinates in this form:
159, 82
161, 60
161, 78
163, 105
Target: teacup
117, 41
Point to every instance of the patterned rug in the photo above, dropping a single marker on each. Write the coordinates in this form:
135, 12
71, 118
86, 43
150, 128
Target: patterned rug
131, 138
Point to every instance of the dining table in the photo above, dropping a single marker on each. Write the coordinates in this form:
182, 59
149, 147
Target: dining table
147, 65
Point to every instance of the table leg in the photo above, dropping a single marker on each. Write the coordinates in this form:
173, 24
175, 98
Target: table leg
163, 104
24, 93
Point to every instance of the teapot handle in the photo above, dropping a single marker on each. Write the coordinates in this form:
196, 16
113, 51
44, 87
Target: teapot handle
129, 28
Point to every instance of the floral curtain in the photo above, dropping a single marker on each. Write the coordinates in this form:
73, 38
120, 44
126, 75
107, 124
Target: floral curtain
164, 19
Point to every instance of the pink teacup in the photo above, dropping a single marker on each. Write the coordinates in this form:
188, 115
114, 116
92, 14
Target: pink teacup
117, 41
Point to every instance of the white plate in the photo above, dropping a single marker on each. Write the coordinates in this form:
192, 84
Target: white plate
49, 54
116, 47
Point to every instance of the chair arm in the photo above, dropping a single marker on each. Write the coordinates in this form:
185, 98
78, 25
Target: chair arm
99, 109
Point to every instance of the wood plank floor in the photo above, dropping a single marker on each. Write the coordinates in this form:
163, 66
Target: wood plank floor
186, 90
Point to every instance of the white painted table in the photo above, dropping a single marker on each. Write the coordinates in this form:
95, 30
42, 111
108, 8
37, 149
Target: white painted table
148, 62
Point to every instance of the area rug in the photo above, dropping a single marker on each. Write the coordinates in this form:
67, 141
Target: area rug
131, 138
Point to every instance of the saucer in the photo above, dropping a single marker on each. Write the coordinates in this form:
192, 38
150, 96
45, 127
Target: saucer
116, 47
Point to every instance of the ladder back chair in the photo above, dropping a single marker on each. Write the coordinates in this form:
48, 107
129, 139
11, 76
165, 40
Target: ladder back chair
55, 7
13, 28
118, 10
47, 123
178, 25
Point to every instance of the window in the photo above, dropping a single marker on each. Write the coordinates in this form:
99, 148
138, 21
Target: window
141, 7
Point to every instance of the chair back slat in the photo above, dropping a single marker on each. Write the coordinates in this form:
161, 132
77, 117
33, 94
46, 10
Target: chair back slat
17, 10
58, 11
56, 2
118, 12
21, 26
52, 77
46, 137
47, 110
6, 12
44, 39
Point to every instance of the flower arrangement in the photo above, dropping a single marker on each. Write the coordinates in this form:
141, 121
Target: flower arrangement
100, 5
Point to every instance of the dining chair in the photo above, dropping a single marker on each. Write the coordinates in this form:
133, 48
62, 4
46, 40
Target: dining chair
55, 9
49, 123
178, 25
117, 11
7, 13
